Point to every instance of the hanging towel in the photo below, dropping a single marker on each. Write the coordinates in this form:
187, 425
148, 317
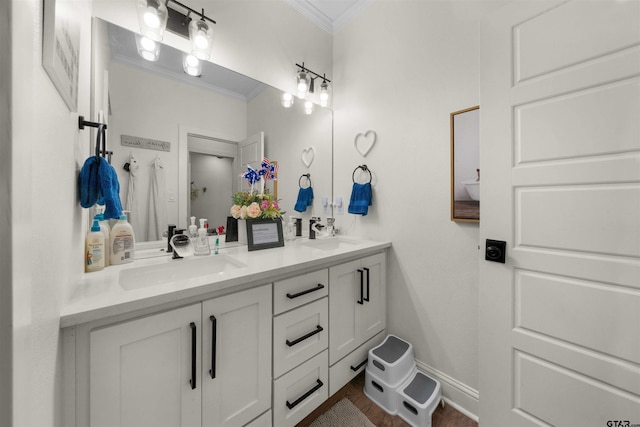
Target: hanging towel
156, 201
305, 198
360, 199
109, 190
135, 214
99, 184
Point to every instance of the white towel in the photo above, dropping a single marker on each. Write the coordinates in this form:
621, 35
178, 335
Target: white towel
157, 207
133, 206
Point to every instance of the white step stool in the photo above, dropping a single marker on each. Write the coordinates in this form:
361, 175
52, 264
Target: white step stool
417, 399
382, 394
392, 361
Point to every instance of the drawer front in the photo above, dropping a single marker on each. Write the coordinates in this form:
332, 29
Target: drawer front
299, 392
352, 364
299, 335
296, 291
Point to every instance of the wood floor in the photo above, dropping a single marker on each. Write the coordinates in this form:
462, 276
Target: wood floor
442, 417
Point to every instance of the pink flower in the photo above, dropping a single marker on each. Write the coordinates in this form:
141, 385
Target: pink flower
274, 205
265, 204
253, 210
235, 211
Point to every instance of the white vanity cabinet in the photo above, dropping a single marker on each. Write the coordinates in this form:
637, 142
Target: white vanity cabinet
207, 364
357, 307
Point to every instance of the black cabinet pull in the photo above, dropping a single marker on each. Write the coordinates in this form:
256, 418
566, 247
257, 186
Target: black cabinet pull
308, 291
367, 270
355, 368
194, 338
361, 300
214, 332
304, 396
304, 337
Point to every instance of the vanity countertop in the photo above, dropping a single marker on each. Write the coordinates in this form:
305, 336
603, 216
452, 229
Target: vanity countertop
103, 294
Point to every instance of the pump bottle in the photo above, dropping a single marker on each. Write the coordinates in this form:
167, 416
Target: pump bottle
94, 249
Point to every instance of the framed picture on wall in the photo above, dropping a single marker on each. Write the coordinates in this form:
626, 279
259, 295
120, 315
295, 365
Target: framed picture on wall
61, 48
465, 165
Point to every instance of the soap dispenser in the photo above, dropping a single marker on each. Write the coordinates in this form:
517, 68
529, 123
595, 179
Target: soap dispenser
193, 228
201, 245
94, 249
290, 229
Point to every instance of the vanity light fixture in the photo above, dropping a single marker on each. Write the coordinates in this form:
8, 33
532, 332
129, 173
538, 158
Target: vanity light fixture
192, 65
152, 17
201, 35
305, 84
287, 100
147, 48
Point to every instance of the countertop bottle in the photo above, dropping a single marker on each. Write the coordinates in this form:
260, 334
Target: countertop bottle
106, 230
122, 242
94, 249
201, 245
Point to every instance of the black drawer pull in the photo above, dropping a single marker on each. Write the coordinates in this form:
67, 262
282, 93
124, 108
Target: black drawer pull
304, 396
355, 368
304, 337
214, 332
192, 381
367, 298
308, 291
361, 300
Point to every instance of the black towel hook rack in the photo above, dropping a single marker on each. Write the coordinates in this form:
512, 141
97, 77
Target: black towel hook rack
304, 175
82, 123
101, 137
365, 169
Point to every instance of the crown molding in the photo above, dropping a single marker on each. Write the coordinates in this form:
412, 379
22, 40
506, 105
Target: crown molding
307, 9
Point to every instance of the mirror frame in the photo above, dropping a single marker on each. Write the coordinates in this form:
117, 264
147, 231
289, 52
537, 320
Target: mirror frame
463, 210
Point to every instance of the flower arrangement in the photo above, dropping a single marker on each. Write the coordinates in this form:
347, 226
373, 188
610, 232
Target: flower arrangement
247, 205
250, 204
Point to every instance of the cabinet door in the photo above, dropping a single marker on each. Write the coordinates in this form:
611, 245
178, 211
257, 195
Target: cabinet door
141, 371
344, 295
236, 357
357, 304
373, 316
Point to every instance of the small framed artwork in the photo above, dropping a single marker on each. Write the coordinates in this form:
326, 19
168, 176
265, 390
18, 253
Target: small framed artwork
61, 48
264, 234
465, 165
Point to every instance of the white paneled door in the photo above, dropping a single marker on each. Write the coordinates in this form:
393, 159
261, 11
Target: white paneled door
560, 160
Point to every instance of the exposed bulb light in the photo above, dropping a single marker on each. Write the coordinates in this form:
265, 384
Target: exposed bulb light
324, 94
152, 18
201, 36
192, 65
303, 84
287, 100
308, 107
147, 48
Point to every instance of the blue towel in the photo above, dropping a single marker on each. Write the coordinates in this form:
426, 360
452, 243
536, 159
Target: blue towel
360, 199
98, 182
305, 198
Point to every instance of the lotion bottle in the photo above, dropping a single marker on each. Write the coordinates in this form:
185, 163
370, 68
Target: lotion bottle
94, 249
106, 230
193, 228
201, 246
122, 242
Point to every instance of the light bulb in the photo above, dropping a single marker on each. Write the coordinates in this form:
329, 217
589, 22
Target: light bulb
201, 40
324, 94
192, 61
287, 100
149, 56
308, 107
151, 17
147, 44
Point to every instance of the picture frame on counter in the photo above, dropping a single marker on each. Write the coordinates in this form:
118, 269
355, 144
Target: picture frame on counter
264, 234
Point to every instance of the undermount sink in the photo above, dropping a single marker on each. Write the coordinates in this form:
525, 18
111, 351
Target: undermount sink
329, 244
175, 270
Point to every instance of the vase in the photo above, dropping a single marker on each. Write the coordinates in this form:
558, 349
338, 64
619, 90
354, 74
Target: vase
242, 231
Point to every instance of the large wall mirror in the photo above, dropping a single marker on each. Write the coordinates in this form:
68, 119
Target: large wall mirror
191, 127
465, 165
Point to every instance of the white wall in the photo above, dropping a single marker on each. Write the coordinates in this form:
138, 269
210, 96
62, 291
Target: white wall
400, 69
46, 249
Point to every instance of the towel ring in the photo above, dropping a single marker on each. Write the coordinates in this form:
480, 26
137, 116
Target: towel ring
306, 175
365, 169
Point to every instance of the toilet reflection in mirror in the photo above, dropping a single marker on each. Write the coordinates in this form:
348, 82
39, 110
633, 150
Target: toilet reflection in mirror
465, 165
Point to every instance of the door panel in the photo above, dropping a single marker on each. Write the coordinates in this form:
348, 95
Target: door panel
560, 154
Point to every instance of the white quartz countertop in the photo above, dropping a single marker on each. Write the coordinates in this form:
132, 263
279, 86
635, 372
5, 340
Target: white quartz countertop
106, 293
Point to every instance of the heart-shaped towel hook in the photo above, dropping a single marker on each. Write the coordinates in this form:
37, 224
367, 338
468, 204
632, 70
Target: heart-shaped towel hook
308, 154
364, 142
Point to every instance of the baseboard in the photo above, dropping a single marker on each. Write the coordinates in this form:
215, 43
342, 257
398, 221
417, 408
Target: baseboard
455, 393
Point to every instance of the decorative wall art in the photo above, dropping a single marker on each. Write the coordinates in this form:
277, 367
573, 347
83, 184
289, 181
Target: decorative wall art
364, 142
308, 155
465, 165
61, 48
